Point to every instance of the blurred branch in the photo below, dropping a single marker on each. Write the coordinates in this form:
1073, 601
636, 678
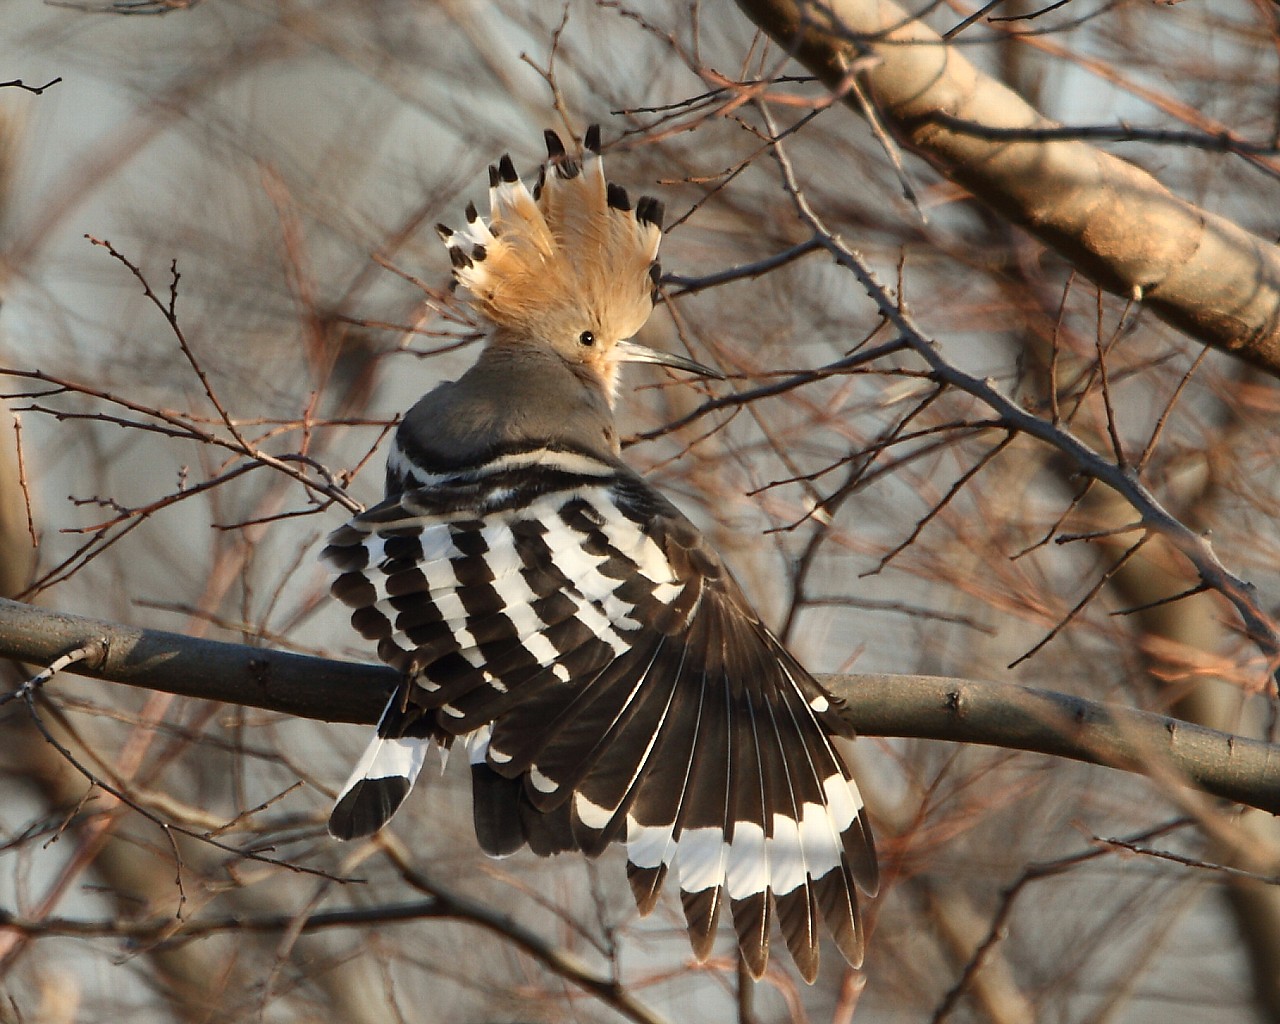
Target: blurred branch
1118, 475
999, 927
127, 6
1220, 142
562, 962
927, 707
164, 932
1200, 272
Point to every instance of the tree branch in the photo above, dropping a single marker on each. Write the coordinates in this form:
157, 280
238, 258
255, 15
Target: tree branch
165, 932
293, 684
927, 707
1112, 220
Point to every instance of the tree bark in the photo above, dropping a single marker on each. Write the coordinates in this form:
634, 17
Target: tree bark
1113, 221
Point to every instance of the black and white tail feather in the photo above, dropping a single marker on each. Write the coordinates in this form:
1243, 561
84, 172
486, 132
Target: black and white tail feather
570, 628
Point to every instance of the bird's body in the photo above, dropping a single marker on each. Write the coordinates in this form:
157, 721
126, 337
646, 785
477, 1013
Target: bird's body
554, 614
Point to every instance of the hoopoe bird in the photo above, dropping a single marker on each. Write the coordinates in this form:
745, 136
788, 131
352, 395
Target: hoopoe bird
559, 619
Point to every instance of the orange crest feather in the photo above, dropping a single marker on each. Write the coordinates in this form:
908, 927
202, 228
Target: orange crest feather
573, 252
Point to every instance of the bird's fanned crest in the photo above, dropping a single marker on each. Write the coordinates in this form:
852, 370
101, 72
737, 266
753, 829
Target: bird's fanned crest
573, 244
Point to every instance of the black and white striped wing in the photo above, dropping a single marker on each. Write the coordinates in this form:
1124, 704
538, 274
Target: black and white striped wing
612, 684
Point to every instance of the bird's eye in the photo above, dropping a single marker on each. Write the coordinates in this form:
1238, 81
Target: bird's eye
586, 339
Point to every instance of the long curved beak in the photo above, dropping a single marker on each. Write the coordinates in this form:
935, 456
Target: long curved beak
630, 352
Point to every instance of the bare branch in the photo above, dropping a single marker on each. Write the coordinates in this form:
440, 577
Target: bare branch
166, 932
1032, 873
609, 990
1194, 546
928, 707
689, 285
1115, 222
293, 684
18, 83
1219, 142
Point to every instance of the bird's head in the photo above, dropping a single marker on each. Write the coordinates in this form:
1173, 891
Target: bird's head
570, 267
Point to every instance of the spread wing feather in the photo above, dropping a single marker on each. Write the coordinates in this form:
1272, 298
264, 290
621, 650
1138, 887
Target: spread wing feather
612, 683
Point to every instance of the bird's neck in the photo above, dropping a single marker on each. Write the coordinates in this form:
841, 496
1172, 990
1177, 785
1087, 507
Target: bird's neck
509, 399
508, 353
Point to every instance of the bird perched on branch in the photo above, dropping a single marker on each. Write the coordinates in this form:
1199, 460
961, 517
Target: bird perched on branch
560, 620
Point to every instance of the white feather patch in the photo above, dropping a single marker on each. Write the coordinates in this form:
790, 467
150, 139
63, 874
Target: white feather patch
701, 854
633, 542
389, 758
787, 868
584, 569
649, 846
819, 840
517, 605
843, 800
748, 869
477, 743
590, 814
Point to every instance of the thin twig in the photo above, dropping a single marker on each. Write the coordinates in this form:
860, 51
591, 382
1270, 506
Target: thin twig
938, 506
170, 313
1221, 142
1079, 606
96, 648
1113, 430
27, 692
22, 481
844, 365
999, 921
18, 83
1195, 547
1150, 448
691, 285
605, 987
1191, 862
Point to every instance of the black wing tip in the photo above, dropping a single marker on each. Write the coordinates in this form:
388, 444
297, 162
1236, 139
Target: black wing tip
702, 914
495, 809
592, 139
752, 919
367, 806
798, 922
646, 886
864, 862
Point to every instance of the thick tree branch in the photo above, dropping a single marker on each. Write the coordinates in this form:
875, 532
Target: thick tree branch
960, 710
331, 691
1116, 223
